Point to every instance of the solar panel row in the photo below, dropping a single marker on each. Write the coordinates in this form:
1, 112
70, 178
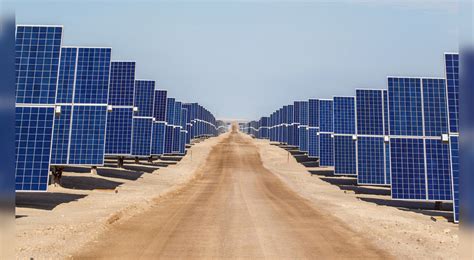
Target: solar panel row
405, 137
74, 106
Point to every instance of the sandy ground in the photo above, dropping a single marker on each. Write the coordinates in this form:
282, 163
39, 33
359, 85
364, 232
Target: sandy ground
236, 208
54, 224
404, 229
237, 198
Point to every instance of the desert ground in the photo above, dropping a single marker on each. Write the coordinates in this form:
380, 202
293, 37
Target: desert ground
230, 197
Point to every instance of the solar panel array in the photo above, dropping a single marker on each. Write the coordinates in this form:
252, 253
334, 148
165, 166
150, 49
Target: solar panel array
74, 106
405, 137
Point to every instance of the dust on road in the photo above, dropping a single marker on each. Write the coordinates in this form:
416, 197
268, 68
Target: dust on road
236, 208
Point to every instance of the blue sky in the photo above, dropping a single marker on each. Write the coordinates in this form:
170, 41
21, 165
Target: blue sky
245, 59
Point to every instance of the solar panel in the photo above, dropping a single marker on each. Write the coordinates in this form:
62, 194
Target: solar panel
88, 135
452, 87
142, 134
313, 142
83, 70
121, 98
344, 115
159, 125
303, 131
326, 142
326, 152
170, 111
158, 138
454, 149
168, 149
408, 168
345, 155
296, 120
452, 80
405, 106
37, 56
371, 161
427, 174
326, 116
177, 129
143, 118
372, 151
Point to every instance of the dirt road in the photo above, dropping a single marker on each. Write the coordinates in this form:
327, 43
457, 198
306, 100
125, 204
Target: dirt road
235, 209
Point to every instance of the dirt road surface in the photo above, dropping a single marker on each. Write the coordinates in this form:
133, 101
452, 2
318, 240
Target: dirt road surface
236, 208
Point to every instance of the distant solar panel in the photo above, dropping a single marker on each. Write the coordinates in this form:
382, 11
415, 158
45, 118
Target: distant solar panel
303, 130
326, 116
344, 115
36, 86
326, 142
120, 119
168, 149
371, 160
344, 155
454, 149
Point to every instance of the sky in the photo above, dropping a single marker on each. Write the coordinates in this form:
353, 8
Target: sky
245, 59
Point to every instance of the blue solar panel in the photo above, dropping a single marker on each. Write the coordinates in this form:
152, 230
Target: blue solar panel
303, 113
168, 140
37, 57
160, 105
88, 135
438, 170
119, 131
326, 116
407, 157
61, 136
120, 119
176, 139
37, 51
434, 107
303, 134
326, 150
371, 160
122, 83
372, 151
182, 142
82, 70
370, 113
385, 112
405, 106
313, 142
426, 174
92, 76
158, 138
454, 149
344, 155
144, 97
142, 132
313, 113
177, 113
67, 72
170, 111
452, 80
344, 115
34, 126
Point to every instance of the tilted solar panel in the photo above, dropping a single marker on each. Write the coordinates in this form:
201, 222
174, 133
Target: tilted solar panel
326, 149
143, 118
82, 91
37, 57
121, 98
